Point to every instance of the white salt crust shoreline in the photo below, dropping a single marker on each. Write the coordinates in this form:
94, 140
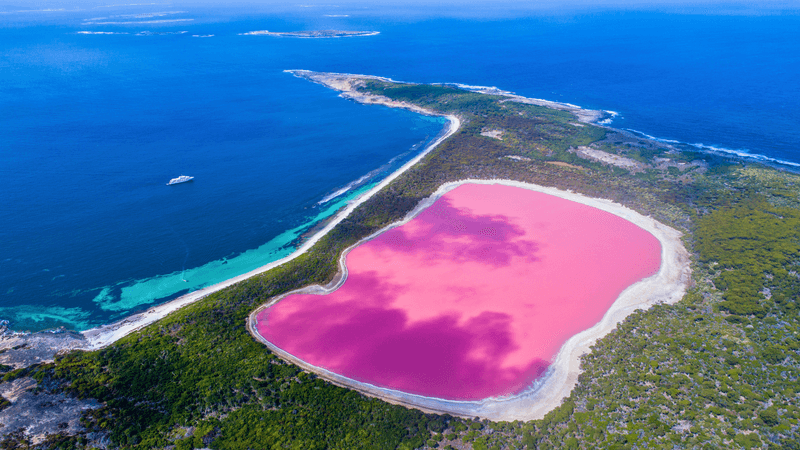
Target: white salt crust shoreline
545, 394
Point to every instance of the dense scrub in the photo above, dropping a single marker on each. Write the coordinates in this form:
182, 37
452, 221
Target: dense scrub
719, 369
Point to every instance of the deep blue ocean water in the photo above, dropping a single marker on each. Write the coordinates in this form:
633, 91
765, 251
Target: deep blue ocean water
94, 125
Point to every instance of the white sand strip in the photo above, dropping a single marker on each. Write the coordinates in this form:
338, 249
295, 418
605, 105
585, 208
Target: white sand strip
666, 286
107, 334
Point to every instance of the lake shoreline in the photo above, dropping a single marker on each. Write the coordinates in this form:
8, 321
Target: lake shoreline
546, 393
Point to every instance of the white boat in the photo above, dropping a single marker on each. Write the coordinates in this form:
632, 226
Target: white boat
180, 179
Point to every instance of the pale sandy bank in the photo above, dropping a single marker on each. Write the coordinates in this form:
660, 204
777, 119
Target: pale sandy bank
107, 334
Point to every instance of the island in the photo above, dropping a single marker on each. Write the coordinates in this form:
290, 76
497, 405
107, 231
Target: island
713, 363
312, 33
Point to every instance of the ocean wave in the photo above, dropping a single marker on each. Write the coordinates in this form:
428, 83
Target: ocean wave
337, 15
741, 153
607, 121
202, 35
32, 10
362, 180
138, 16
312, 34
101, 32
139, 22
128, 4
159, 33
348, 187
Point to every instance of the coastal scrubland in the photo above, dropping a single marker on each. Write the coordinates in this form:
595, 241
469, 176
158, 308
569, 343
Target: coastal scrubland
716, 370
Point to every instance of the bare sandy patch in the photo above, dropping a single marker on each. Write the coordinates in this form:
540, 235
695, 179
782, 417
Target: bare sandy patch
518, 158
563, 164
496, 134
608, 158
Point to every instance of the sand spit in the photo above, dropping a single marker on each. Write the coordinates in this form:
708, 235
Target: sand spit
666, 286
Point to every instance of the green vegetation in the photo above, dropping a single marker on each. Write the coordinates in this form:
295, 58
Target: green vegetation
717, 370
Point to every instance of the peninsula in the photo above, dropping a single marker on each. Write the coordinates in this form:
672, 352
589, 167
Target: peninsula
705, 357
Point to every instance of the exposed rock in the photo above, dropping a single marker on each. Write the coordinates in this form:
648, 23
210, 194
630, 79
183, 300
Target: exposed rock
13, 390
39, 412
497, 134
20, 350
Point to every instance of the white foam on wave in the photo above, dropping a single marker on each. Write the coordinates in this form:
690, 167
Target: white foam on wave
745, 154
202, 35
363, 179
138, 22
32, 11
128, 4
653, 138
100, 32
349, 186
741, 153
613, 115
155, 33
144, 15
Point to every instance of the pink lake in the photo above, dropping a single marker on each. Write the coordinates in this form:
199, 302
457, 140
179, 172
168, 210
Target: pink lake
472, 298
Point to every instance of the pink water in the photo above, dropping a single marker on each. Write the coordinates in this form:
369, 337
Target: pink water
472, 298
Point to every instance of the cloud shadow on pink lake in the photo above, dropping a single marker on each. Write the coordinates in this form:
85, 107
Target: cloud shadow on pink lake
470, 299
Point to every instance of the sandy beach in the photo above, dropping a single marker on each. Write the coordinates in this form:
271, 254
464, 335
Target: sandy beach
49, 344
107, 334
667, 286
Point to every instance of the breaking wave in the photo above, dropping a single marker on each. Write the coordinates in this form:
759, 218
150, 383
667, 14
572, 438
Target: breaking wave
741, 153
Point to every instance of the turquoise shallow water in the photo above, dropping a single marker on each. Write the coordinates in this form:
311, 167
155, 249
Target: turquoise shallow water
94, 125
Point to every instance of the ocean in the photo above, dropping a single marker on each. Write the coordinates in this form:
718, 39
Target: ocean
102, 104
